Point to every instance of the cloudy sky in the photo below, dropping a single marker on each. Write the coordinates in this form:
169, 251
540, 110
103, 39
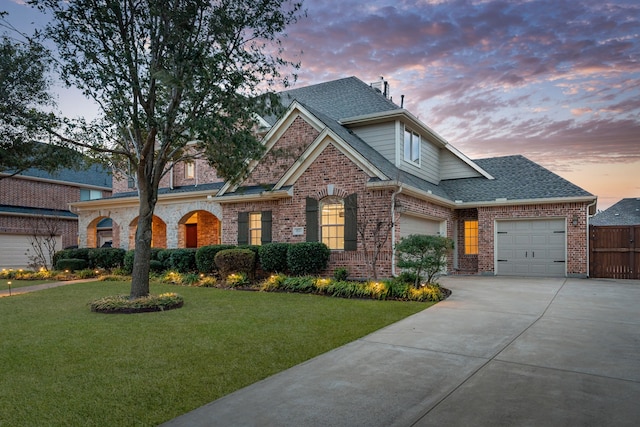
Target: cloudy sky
556, 81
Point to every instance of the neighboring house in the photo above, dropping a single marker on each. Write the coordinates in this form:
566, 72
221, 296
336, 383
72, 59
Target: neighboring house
35, 204
344, 159
624, 212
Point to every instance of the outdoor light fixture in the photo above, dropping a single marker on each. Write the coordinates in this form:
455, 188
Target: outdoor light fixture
575, 221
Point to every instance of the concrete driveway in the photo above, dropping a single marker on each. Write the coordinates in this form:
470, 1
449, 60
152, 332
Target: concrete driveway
499, 352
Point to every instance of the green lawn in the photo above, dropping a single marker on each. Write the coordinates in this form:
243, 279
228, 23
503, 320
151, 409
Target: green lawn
62, 365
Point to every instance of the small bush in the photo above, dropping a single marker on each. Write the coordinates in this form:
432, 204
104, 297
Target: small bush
207, 282
273, 257
273, 283
340, 273
172, 277
307, 258
72, 264
235, 261
156, 266
190, 279
123, 304
87, 273
127, 262
302, 284
205, 257
236, 280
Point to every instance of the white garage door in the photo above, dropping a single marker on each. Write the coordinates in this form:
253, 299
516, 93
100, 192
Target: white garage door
531, 247
16, 248
415, 225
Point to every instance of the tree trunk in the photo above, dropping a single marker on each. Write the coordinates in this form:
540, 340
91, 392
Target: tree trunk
142, 257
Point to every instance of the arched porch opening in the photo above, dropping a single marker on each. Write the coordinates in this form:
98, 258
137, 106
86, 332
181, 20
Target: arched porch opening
158, 233
102, 232
198, 228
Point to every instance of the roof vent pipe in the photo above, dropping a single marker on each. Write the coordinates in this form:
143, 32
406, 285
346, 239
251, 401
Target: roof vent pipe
401, 101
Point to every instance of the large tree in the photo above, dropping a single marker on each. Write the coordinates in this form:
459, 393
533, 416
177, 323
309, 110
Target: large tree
166, 73
26, 108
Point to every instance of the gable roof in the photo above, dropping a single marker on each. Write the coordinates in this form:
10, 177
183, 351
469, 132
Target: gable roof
625, 212
94, 175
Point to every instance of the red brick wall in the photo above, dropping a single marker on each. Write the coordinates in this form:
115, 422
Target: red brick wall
37, 194
67, 228
284, 153
576, 235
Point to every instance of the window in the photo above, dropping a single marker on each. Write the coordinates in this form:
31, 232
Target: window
332, 224
471, 237
255, 228
411, 146
86, 194
189, 170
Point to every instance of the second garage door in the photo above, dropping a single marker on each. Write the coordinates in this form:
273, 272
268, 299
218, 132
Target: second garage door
534, 247
416, 225
15, 250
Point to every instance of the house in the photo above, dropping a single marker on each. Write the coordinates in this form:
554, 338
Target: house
624, 212
35, 205
346, 166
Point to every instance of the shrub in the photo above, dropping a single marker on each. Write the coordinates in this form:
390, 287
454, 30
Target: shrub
172, 277
77, 253
107, 258
207, 282
273, 283
190, 279
72, 264
307, 258
156, 266
235, 261
205, 257
164, 256
256, 250
182, 260
235, 280
127, 262
87, 273
426, 254
341, 273
303, 284
273, 257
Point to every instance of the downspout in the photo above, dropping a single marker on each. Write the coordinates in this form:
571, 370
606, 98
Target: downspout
587, 246
171, 176
393, 229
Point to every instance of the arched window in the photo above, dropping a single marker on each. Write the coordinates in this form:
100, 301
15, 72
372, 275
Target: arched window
332, 223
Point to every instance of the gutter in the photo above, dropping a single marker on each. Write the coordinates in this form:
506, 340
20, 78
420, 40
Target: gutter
587, 245
393, 229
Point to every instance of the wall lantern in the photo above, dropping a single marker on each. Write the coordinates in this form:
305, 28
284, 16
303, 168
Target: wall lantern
574, 221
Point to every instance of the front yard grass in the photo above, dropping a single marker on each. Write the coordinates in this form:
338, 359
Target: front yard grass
65, 365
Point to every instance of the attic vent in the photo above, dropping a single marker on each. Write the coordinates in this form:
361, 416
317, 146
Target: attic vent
382, 86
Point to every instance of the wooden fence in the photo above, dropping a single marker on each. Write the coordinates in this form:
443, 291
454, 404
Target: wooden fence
614, 251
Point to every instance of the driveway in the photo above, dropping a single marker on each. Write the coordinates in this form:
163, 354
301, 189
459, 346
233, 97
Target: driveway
499, 352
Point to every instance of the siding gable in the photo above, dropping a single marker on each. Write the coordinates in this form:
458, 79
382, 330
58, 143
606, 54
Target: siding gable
451, 167
381, 137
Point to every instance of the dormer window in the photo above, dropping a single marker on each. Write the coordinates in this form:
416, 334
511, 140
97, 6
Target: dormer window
411, 146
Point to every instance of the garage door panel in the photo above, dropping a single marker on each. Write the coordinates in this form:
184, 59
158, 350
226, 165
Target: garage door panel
531, 247
415, 225
16, 248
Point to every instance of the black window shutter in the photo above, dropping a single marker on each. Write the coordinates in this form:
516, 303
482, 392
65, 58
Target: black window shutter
312, 220
243, 228
266, 227
351, 222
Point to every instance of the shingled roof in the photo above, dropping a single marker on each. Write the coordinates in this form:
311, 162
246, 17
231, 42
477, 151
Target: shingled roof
625, 212
516, 178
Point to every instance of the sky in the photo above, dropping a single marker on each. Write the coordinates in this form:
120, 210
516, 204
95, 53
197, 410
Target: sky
556, 81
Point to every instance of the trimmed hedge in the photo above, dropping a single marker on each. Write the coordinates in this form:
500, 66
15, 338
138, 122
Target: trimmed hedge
236, 261
205, 257
307, 258
72, 264
273, 257
106, 258
183, 260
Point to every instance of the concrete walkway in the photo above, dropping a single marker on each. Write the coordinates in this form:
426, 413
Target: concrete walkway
498, 352
27, 289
